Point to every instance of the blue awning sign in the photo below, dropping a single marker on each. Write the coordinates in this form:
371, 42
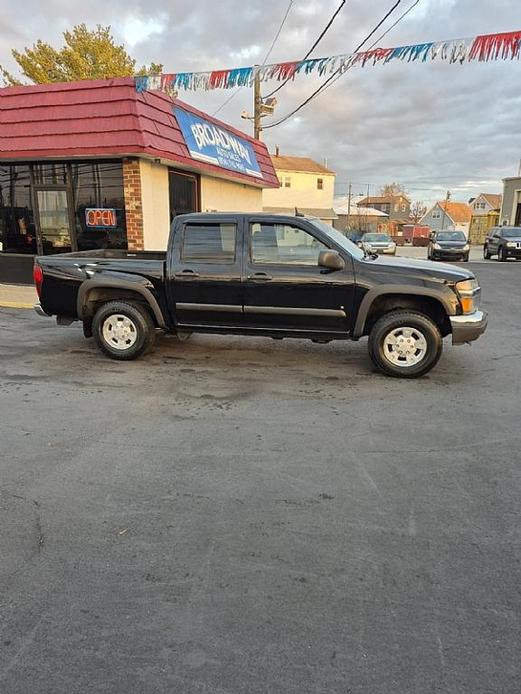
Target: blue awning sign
213, 144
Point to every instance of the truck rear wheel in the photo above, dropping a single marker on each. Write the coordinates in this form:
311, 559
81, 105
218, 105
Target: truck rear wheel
405, 344
123, 329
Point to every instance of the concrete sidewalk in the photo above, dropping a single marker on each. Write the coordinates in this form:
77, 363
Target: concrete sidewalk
17, 296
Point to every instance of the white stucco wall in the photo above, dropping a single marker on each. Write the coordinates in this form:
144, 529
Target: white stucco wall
156, 205
216, 195
220, 195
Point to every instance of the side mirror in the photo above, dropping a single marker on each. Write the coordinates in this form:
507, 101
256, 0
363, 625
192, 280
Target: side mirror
331, 260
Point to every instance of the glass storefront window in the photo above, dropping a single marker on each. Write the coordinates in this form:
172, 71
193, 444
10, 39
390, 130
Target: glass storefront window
99, 186
87, 195
17, 228
54, 173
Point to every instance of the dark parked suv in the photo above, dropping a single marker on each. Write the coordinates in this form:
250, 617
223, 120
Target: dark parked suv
505, 242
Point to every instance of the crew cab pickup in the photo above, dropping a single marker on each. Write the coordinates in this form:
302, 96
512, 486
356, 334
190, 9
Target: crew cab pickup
259, 274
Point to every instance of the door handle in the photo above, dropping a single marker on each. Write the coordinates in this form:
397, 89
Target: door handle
260, 276
187, 273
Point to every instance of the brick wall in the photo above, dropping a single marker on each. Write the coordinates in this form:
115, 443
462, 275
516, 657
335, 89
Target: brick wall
133, 204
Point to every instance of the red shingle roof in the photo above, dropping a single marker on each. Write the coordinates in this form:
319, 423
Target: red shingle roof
457, 211
105, 118
304, 164
493, 199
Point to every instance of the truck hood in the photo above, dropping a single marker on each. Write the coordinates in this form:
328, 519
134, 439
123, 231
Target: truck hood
421, 269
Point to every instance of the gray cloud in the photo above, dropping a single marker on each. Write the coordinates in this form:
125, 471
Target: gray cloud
433, 126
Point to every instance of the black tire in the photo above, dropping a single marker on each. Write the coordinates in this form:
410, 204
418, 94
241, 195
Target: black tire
141, 334
419, 323
486, 254
501, 254
466, 258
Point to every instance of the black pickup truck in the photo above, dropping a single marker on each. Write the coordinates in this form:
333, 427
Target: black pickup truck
259, 274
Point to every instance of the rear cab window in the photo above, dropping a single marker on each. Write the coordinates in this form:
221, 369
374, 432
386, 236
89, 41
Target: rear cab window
213, 242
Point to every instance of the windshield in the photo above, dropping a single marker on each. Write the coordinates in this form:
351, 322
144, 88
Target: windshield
512, 233
451, 236
338, 238
376, 237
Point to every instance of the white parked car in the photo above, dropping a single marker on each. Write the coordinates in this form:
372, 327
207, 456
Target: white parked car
378, 243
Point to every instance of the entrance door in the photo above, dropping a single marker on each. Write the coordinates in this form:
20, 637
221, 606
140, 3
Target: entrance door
285, 289
54, 225
184, 193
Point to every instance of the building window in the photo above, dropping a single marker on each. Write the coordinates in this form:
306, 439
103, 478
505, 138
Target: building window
62, 194
404, 208
17, 229
436, 214
99, 186
287, 181
320, 184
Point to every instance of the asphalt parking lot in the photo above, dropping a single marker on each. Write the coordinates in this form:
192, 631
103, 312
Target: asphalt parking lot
252, 516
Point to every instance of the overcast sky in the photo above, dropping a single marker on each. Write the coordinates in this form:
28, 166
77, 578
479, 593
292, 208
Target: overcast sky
432, 126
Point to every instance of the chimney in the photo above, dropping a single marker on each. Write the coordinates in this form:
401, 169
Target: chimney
276, 150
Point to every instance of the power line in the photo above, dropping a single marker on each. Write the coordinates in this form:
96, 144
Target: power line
319, 39
232, 96
277, 34
402, 16
227, 101
335, 73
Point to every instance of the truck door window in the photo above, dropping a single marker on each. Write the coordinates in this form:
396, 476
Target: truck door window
283, 244
209, 243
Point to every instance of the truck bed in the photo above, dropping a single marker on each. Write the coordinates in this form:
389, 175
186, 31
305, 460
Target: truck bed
64, 273
116, 254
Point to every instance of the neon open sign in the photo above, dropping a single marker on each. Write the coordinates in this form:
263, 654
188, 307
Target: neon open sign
101, 217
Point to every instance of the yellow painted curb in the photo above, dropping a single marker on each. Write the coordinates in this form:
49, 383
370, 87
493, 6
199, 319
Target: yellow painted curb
15, 304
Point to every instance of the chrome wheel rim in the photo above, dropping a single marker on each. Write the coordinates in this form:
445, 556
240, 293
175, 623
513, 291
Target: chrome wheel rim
405, 346
119, 331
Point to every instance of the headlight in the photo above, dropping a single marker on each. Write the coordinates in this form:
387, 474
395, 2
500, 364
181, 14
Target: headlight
511, 244
466, 247
469, 294
436, 246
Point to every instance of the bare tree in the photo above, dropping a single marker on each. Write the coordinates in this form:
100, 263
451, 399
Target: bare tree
392, 189
418, 210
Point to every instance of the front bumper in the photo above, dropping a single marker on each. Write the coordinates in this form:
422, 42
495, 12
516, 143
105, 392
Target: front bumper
449, 255
387, 250
468, 327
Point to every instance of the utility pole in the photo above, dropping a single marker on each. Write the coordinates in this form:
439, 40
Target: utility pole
257, 103
447, 198
348, 221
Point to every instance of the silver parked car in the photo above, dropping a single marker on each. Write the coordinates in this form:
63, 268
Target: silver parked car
378, 243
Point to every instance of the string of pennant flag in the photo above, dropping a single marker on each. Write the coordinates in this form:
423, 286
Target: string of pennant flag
489, 47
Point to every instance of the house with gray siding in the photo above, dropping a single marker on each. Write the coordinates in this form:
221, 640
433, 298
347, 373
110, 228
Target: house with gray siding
448, 215
485, 203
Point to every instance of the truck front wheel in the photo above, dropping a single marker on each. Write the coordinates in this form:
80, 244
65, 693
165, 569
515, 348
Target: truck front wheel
405, 344
123, 329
